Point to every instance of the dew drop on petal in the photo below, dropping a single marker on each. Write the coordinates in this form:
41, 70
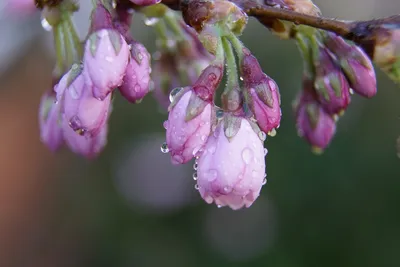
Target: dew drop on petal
264, 181
262, 136
195, 176
211, 175
203, 138
196, 186
227, 189
265, 151
151, 21
165, 124
195, 166
164, 148
219, 113
219, 206
247, 155
351, 91
173, 93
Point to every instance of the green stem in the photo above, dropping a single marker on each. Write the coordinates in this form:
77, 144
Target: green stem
60, 50
220, 53
231, 71
237, 45
172, 22
162, 32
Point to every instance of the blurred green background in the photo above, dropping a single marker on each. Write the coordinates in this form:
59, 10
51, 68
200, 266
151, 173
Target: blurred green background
131, 207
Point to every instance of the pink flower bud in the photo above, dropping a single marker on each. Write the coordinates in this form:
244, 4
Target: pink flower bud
208, 81
105, 60
187, 134
355, 64
86, 145
137, 78
312, 121
232, 172
264, 92
265, 104
49, 122
331, 85
85, 114
145, 2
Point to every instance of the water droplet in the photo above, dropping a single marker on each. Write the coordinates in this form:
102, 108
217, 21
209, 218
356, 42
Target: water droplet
227, 189
351, 91
219, 206
203, 138
72, 92
241, 78
219, 113
247, 155
272, 133
196, 186
262, 136
46, 25
195, 176
151, 21
137, 88
264, 181
195, 166
211, 175
265, 151
164, 148
114, 4
173, 93
165, 124
109, 59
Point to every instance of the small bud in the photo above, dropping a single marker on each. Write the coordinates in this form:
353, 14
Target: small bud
231, 171
49, 122
312, 122
105, 61
137, 78
208, 82
185, 138
100, 19
330, 84
355, 64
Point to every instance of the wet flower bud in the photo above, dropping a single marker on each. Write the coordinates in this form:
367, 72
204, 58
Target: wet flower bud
49, 122
85, 145
330, 84
85, 114
231, 171
105, 60
263, 92
355, 64
312, 122
137, 78
208, 81
188, 132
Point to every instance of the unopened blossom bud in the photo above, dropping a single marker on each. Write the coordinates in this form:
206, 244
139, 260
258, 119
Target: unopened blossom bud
100, 18
208, 81
105, 60
145, 2
331, 85
85, 145
187, 133
231, 171
49, 121
137, 78
85, 114
263, 92
355, 64
312, 122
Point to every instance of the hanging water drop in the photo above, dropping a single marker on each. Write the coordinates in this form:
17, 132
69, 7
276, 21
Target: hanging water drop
262, 136
165, 124
219, 113
247, 155
195, 176
173, 93
164, 148
151, 21
265, 151
264, 181
195, 166
46, 25
196, 186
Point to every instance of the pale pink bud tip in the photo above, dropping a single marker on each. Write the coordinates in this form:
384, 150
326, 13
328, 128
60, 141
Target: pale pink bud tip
49, 122
137, 78
105, 61
232, 172
186, 137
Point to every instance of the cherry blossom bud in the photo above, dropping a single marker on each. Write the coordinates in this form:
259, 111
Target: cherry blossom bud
312, 121
86, 145
105, 60
85, 114
263, 92
355, 64
137, 78
231, 171
331, 84
145, 2
49, 122
187, 132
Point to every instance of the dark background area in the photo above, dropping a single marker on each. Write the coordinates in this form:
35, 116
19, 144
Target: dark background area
131, 207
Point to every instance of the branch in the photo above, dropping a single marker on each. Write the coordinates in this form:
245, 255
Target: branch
354, 31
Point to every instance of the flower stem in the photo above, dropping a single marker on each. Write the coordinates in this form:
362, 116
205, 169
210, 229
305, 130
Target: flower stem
237, 45
231, 70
